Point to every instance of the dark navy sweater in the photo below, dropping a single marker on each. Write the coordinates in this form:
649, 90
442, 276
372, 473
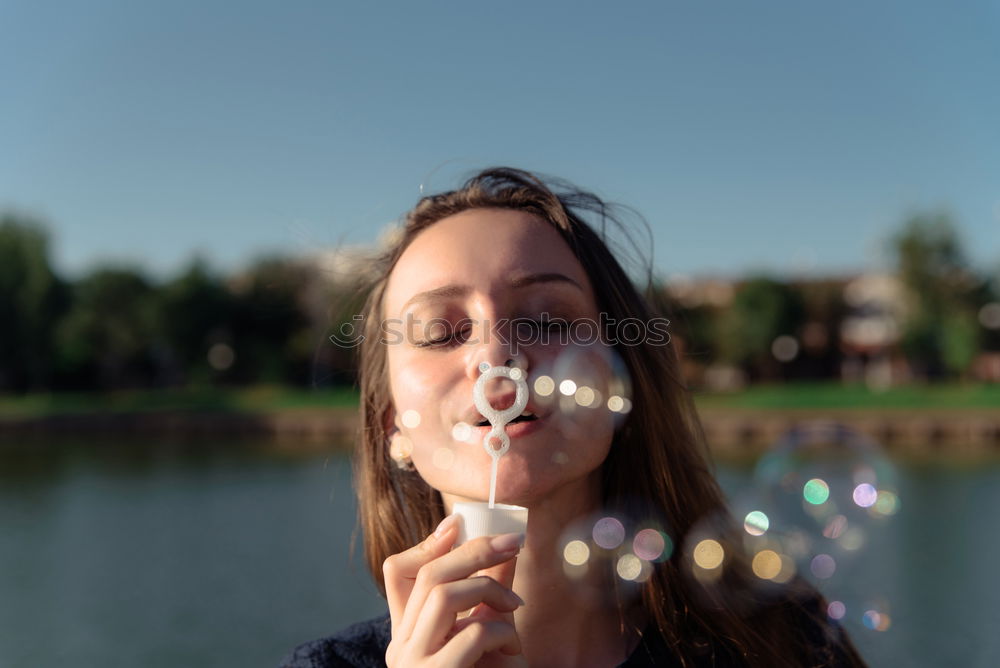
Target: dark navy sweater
363, 646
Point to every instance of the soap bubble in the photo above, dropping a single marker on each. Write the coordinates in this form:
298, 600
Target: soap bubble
630, 550
587, 386
826, 490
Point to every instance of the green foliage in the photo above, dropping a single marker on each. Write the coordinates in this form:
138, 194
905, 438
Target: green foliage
32, 299
940, 334
270, 316
762, 310
109, 336
196, 312
960, 340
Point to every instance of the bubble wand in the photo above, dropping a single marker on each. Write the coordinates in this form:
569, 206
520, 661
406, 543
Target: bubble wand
498, 419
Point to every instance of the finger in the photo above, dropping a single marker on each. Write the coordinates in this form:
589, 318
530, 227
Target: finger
504, 575
460, 563
477, 616
437, 618
477, 638
503, 572
400, 570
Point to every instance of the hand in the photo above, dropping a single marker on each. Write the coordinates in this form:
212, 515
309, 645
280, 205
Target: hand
428, 586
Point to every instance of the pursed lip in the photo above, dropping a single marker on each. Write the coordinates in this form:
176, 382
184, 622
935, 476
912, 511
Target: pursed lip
472, 417
513, 429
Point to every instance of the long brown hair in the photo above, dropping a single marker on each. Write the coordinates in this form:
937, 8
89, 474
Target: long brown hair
658, 458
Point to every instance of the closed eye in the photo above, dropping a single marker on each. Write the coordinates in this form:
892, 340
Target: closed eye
452, 338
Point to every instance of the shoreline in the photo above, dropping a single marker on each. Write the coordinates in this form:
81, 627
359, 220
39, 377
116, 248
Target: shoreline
732, 433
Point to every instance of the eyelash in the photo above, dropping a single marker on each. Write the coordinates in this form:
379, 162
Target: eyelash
554, 324
442, 341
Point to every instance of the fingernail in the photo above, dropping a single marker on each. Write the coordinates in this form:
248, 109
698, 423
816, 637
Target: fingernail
446, 524
508, 542
515, 597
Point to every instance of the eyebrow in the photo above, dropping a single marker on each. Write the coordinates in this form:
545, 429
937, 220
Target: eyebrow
454, 290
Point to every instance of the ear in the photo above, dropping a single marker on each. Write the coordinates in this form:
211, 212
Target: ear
390, 421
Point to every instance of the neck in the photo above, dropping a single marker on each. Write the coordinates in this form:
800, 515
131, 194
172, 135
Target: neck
566, 620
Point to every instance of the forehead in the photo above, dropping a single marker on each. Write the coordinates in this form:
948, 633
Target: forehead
482, 250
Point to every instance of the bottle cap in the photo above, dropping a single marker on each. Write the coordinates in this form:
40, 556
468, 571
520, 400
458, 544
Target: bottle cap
478, 519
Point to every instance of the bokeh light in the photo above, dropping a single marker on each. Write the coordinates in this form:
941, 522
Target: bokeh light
816, 491
652, 545
766, 564
629, 567
585, 396
567, 387
853, 539
708, 554
876, 620
608, 532
887, 503
462, 432
576, 552
411, 419
836, 610
221, 356
544, 386
823, 566
865, 495
835, 527
756, 523
989, 315
785, 348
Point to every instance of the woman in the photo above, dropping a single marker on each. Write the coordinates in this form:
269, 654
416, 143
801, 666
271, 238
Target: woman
508, 248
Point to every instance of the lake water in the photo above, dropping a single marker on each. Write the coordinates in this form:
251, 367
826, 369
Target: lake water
195, 556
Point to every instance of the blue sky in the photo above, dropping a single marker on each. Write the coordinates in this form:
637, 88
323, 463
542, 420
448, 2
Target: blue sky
753, 136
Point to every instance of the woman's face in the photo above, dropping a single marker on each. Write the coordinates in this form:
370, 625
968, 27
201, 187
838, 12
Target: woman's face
447, 309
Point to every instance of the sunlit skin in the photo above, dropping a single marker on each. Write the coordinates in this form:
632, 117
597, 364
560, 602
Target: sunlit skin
477, 255
479, 266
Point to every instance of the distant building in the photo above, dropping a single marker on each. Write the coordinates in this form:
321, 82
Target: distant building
870, 332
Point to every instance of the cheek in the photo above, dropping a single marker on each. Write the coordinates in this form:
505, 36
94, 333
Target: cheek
412, 384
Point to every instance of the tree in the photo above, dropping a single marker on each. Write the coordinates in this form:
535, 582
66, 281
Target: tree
762, 310
32, 299
940, 333
272, 338
110, 339
197, 313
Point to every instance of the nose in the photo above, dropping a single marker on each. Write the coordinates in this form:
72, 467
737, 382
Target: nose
494, 352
